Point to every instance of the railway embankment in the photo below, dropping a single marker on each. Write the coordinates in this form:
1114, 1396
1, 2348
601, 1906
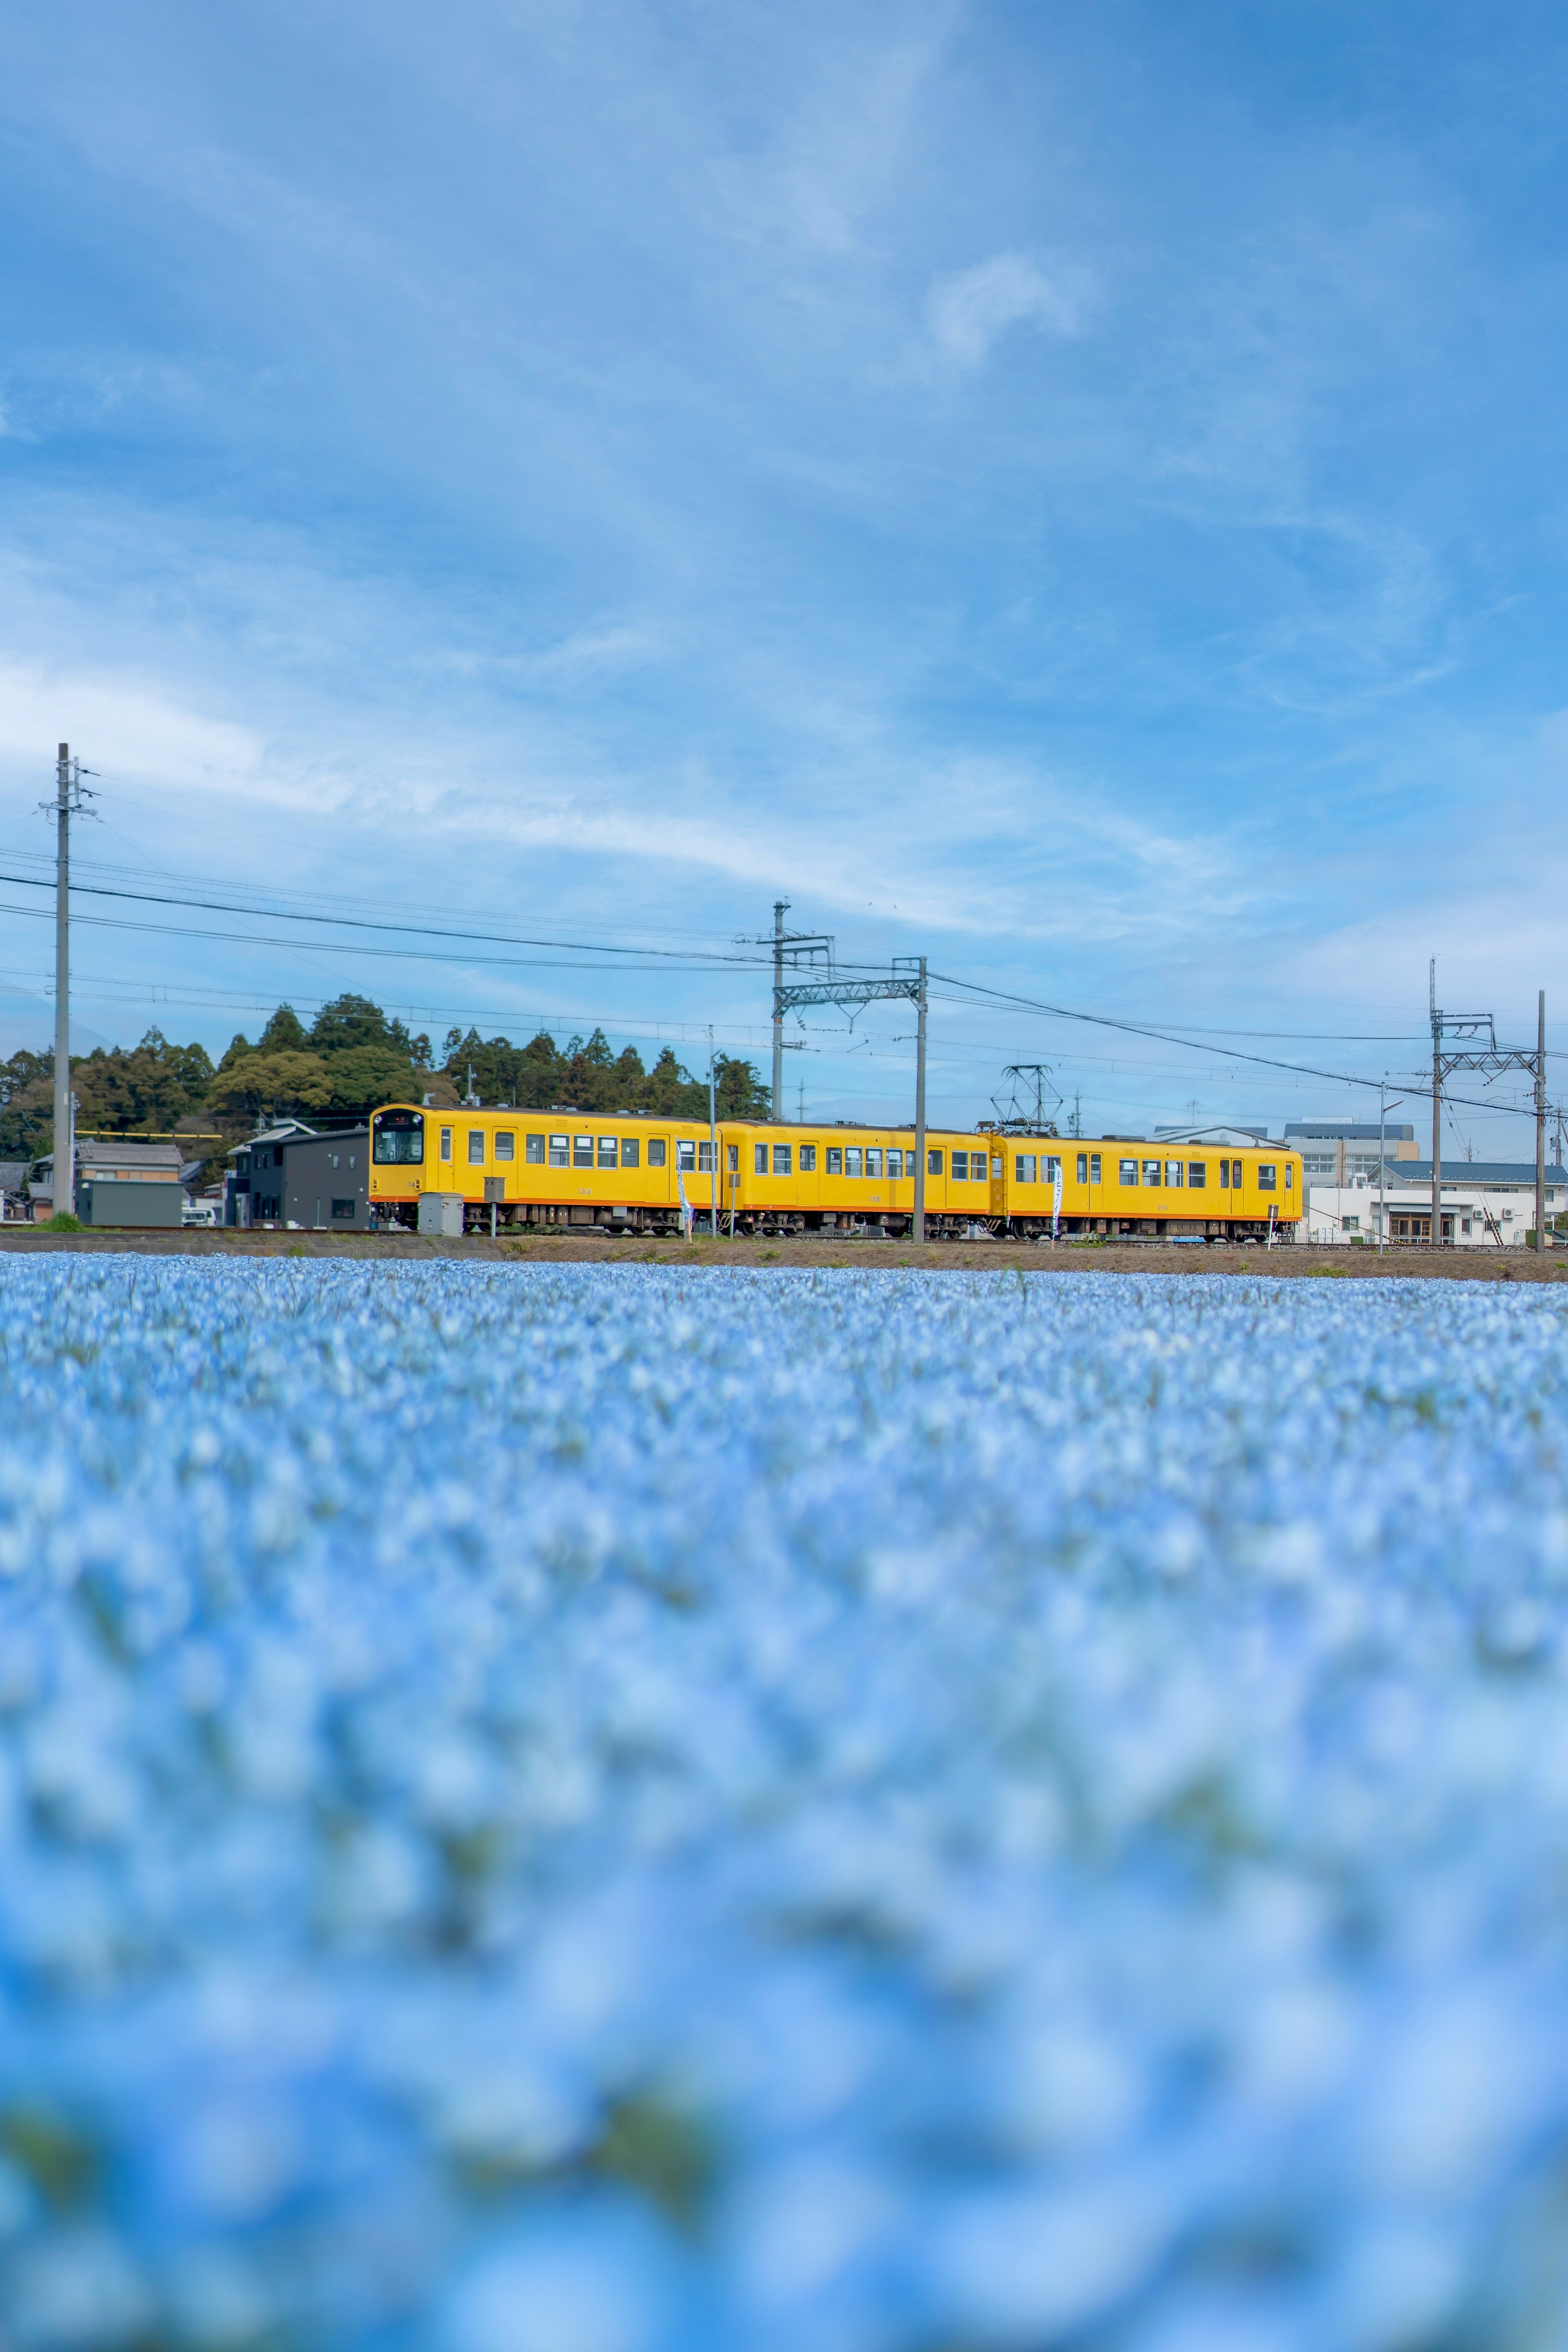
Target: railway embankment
1286, 1261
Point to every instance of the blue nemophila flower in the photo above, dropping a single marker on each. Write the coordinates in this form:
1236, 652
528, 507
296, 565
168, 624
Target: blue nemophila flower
618, 1811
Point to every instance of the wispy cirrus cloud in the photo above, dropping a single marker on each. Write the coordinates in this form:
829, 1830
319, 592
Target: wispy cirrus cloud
969, 312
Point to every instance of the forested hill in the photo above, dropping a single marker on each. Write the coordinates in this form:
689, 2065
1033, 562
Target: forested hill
352, 1054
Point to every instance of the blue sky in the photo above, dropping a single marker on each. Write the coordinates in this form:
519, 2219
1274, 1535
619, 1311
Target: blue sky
1076, 492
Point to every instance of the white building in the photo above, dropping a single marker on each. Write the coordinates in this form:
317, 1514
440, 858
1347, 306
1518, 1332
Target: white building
1486, 1204
1342, 1148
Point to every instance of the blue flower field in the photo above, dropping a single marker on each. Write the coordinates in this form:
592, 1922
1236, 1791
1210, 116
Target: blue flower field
636, 1810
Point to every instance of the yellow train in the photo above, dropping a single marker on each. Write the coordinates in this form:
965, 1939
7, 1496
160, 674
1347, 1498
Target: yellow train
629, 1174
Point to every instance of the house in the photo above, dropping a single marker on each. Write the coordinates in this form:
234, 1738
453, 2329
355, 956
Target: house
13, 1188
121, 1183
294, 1175
1486, 1204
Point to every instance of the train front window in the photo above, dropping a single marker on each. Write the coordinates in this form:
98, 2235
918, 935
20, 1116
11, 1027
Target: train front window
399, 1139
1266, 1176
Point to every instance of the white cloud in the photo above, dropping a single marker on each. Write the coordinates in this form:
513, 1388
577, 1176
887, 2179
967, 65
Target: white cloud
970, 311
110, 717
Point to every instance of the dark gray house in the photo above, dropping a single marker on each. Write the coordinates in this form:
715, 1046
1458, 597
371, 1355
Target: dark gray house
292, 1174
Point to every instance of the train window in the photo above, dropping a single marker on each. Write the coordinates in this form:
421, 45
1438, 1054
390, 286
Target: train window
1150, 1171
1094, 1167
783, 1155
534, 1151
657, 1151
1266, 1176
758, 1160
561, 1151
808, 1159
874, 1161
343, 1209
1083, 1167
1225, 1175
996, 1167
1197, 1175
1173, 1171
631, 1150
582, 1152
446, 1143
1127, 1172
399, 1139
1289, 1173
705, 1158
685, 1156
733, 1153
506, 1144
933, 1163
852, 1159
835, 1160
961, 1167
607, 1151
1025, 1168
895, 1163
476, 1146
1050, 1171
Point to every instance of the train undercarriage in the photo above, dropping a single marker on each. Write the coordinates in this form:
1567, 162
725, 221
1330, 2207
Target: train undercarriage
807, 1225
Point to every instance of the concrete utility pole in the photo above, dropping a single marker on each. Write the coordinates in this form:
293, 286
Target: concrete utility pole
780, 908
1540, 1122
918, 1228
1437, 1104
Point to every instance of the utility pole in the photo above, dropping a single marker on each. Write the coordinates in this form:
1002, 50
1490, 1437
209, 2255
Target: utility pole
67, 804
1482, 1053
906, 982
780, 908
812, 949
1436, 1019
712, 1140
918, 1225
1541, 1121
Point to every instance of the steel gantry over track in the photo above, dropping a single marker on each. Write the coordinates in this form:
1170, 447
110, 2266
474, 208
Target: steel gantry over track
1475, 1048
906, 982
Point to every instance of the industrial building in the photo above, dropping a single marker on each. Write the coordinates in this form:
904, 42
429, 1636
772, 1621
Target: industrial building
1486, 1204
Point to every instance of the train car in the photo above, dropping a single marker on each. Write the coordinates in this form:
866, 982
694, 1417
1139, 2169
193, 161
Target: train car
790, 1178
1121, 1185
541, 1168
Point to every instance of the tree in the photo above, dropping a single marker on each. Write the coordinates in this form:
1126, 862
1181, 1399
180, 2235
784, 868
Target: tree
277, 1082
350, 1021
370, 1074
284, 1034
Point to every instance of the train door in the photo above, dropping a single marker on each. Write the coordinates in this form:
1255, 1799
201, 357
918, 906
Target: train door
808, 1155
997, 1148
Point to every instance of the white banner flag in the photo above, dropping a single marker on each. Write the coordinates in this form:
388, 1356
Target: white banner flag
1057, 1204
